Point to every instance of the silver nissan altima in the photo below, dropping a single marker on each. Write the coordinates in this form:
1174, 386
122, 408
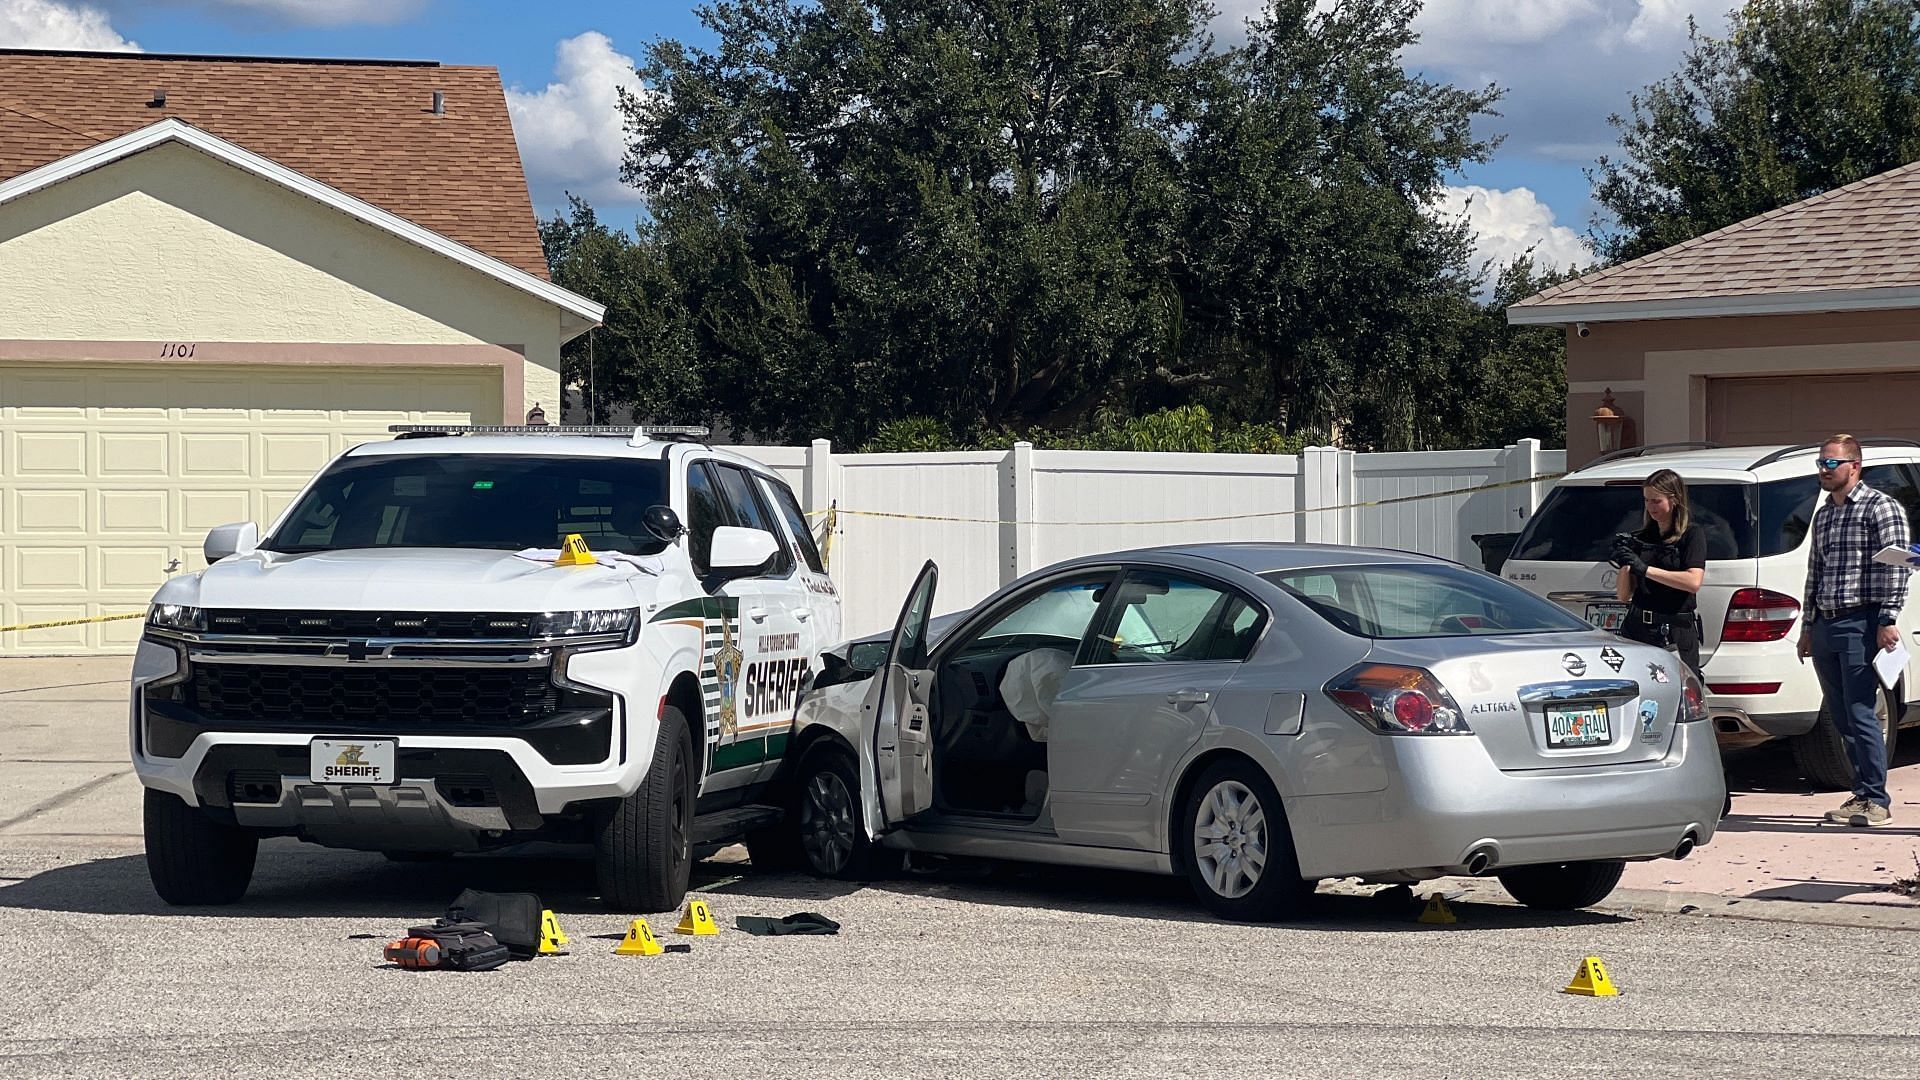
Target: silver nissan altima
1257, 717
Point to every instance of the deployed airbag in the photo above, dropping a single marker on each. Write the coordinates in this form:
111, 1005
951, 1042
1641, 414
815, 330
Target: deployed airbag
1029, 685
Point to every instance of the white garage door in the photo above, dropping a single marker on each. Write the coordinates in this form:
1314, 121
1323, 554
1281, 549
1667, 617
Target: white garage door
1808, 408
108, 475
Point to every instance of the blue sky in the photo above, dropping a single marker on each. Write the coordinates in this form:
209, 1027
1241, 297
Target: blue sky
1566, 65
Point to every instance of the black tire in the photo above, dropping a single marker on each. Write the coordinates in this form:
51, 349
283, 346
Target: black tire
193, 859
776, 848
829, 827
643, 854
1821, 755
1276, 891
1563, 886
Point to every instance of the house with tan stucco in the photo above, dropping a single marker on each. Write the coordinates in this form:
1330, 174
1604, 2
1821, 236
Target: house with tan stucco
1783, 328
216, 274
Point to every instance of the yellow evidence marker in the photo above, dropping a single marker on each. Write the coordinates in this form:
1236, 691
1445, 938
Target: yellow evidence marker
1437, 912
1591, 980
573, 552
697, 920
639, 941
552, 938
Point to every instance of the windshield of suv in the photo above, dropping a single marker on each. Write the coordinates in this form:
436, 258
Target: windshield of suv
1578, 524
494, 502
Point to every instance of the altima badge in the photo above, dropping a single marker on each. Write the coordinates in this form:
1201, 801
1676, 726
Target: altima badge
1575, 666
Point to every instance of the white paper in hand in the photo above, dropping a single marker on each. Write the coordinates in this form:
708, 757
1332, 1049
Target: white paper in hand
1895, 555
1890, 664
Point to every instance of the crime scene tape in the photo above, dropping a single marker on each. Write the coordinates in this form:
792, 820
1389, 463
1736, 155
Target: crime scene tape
1540, 479
73, 622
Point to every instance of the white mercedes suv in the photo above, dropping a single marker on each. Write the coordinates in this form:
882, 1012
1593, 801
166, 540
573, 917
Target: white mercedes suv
471, 637
1755, 503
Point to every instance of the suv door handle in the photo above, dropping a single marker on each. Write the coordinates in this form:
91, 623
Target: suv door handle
757, 614
802, 614
1184, 698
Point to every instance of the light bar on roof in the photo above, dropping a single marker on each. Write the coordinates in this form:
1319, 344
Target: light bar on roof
693, 430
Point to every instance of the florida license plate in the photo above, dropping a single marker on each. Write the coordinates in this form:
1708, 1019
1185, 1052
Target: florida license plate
352, 761
1578, 725
1606, 616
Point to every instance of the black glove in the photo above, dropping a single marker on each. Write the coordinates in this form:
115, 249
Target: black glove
1622, 553
1637, 563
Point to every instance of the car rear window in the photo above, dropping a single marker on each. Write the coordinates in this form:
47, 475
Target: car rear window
1421, 601
1578, 523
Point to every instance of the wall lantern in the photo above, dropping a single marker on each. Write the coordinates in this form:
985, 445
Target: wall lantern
536, 416
1608, 422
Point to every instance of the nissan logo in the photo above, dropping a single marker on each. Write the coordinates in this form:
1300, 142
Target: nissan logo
1575, 666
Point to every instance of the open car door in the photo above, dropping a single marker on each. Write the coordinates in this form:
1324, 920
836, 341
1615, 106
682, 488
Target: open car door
897, 708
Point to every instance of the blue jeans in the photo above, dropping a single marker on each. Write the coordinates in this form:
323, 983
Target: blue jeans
1843, 651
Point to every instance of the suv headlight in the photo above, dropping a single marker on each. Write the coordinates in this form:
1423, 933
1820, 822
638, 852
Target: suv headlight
177, 617
579, 623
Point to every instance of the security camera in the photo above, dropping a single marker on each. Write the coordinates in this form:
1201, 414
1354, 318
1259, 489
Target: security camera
1582, 329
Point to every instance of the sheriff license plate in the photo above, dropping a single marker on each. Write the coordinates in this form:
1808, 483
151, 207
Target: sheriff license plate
1578, 725
352, 761
1606, 616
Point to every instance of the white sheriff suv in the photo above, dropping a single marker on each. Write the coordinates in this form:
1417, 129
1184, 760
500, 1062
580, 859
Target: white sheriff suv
1756, 504
406, 663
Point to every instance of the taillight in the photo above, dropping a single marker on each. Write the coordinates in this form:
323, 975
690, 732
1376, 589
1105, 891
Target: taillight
1398, 700
1693, 701
1759, 615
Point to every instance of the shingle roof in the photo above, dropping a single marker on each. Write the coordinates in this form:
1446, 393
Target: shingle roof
1863, 236
366, 128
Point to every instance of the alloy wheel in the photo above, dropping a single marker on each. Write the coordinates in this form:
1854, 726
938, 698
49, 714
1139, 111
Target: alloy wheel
827, 822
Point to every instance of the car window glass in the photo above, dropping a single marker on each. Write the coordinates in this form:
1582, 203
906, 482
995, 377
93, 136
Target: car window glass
1786, 508
705, 513
1578, 523
1897, 481
788, 508
750, 513
474, 501
1056, 617
1405, 601
1161, 617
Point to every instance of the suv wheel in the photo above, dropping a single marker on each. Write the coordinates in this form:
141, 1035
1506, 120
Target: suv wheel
192, 858
1822, 755
1563, 886
643, 855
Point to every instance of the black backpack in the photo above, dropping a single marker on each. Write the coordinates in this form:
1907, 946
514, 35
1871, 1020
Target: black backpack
512, 918
464, 946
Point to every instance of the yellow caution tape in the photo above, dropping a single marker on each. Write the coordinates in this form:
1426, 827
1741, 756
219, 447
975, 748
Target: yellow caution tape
73, 622
1543, 478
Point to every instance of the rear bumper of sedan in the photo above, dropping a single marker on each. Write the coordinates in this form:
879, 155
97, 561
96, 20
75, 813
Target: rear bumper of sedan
1446, 809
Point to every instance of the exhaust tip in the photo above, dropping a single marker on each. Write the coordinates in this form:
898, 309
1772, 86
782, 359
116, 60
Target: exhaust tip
1479, 862
1687, 844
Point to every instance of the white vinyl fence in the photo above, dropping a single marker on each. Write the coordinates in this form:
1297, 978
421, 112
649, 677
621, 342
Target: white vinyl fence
988, 517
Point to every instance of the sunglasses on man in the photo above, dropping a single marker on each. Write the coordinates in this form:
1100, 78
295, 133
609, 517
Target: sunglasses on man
1828, 464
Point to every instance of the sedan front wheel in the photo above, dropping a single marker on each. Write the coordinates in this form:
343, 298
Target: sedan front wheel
1239, 852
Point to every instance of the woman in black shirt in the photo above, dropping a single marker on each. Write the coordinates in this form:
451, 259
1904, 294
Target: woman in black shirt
1661, 568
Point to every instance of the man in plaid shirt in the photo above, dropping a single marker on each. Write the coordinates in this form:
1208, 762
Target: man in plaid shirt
1851, 606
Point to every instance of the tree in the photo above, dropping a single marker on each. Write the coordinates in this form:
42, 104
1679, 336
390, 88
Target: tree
1800, 97
1008, 215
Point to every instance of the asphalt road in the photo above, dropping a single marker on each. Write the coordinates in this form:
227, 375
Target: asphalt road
967, 971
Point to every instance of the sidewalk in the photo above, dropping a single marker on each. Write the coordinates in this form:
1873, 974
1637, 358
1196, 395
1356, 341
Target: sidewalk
1776, 845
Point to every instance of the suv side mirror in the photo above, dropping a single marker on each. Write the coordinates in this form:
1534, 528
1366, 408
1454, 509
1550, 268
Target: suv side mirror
741, 552
238, 538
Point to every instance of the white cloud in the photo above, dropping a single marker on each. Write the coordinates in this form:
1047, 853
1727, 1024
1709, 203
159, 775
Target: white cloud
1461, 31
51, 24
572, 133
1666, 20
1507, 224
325, 12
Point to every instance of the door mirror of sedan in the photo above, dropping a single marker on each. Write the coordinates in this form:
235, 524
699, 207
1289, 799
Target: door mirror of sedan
238, 538
741, 552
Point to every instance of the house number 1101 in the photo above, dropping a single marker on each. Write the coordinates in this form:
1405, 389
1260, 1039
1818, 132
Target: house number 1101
170, 349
